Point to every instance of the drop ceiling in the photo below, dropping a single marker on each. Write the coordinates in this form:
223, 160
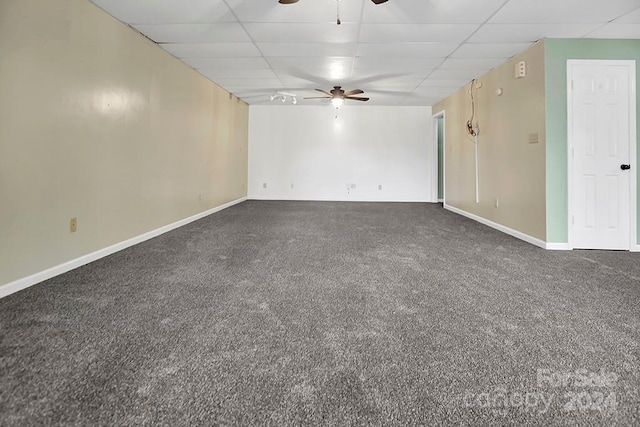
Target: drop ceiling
402, 52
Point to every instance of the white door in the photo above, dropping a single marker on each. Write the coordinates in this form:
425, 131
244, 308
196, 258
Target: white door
600, 154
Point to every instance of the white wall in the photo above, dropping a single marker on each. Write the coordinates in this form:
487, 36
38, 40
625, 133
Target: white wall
321, 155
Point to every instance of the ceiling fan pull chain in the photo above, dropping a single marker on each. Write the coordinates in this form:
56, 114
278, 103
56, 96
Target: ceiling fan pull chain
338, 12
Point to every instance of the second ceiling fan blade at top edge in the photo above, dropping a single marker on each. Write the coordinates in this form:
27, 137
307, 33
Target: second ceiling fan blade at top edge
353, 92
296, 1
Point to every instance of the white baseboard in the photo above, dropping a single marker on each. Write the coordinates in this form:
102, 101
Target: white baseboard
36, 278
558, 246
635, 248
265, 199
517, 234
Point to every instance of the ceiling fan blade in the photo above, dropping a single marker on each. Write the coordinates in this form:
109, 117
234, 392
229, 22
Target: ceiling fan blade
319, 97
353, 92
375, 1
356, 98
289, 1
324, 91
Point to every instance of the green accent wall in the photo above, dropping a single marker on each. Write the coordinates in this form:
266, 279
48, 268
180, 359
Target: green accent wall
557, 51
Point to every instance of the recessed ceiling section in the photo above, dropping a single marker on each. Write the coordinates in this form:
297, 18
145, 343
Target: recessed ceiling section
401, 52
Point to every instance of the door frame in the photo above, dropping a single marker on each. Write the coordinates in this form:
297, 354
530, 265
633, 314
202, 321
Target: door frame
435, 117
634, 245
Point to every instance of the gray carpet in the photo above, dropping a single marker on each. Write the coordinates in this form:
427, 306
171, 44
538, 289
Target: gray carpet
303, 313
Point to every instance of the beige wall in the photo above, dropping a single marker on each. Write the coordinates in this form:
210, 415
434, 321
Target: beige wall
98, 123
511, 169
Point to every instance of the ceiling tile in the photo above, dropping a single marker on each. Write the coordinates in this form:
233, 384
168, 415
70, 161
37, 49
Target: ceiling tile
307, 49
227, 63
416, 32
457, 74
311, 64
617, 31
433, 92
217, 74
302, 33
388, 82
632, 17
249, 83
489, 50
194, 33
167, 11
417, 101
431, 11
322, 69
408, 50
452, 83
478, 63
211, 50
398, 66
521, 33
289, 81
563, 12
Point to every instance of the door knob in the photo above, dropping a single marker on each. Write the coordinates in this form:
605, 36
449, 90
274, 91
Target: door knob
625, 167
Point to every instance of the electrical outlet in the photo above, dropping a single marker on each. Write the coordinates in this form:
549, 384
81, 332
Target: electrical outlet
292, 186
521, 70
380, 187
264, 185
73, 225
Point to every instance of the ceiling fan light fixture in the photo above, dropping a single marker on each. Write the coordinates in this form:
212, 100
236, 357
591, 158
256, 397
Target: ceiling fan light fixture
337, 102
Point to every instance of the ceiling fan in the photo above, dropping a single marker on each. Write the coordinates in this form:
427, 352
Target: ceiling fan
337, 96
337, 3
296, 1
